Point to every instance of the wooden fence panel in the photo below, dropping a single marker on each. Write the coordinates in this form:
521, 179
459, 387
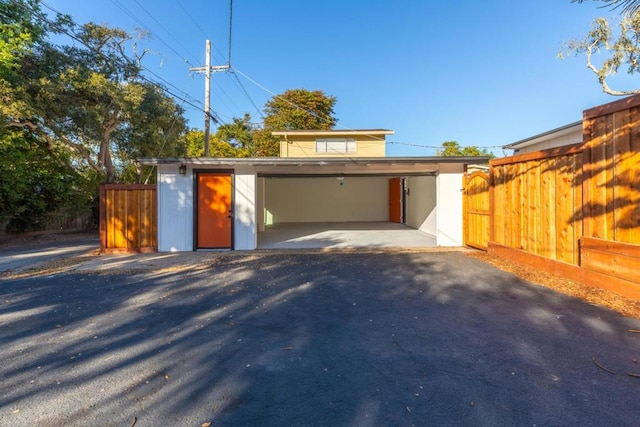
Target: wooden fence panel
576, 205
476, 210
615, 259
534, 198
128, 218
612, 180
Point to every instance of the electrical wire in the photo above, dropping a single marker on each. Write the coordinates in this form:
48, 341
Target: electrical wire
230, 28
244, 90
145, 27
143, 77
165, 29
312, 113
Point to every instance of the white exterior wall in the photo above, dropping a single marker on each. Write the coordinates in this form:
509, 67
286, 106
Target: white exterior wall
567, 137
245, 221
421, 204
357, 199
449, 210
175, 210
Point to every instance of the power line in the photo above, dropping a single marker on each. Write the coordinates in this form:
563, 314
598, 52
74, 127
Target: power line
192, 20
204, 33
293, 104
143, 77
439, 147
239, 82
230, 27
165, 29
146, 28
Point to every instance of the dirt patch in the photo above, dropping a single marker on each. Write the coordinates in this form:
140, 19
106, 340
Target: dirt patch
625, 306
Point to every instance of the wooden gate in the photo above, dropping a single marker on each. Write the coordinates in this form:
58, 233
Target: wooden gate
476, 210
128, 218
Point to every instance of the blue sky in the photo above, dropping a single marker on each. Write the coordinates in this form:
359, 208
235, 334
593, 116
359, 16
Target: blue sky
482, 73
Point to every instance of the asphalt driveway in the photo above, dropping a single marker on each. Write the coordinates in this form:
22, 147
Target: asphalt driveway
331, 339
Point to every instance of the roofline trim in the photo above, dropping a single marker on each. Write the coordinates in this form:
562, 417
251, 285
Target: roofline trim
308, 161
332, 132
541, 137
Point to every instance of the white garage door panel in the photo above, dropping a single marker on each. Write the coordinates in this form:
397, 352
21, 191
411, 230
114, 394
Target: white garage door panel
327, 199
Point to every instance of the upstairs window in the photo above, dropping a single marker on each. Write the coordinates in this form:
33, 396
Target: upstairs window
335, 145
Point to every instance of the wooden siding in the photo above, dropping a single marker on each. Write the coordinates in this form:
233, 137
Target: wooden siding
476, 210
128, 218
305, 146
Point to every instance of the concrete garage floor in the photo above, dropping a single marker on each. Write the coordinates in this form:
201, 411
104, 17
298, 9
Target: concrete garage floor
343, 235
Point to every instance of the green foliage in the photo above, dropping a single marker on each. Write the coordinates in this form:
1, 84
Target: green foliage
622, 49
193, 141
295, 109
626, 6
238, 135
72, 117
453, 149
299, 109
92, 98
194, 145
35, 182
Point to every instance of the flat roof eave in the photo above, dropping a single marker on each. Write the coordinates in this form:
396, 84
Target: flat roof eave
317, 132
308, 161
563, 130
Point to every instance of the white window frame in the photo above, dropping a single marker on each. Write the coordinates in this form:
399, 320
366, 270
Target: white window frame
336, 145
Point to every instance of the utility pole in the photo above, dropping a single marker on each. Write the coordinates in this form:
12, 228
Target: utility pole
207, 70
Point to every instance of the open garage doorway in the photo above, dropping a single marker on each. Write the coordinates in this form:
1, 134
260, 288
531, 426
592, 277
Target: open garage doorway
346, 211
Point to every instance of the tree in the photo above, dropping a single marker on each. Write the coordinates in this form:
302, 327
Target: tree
238, 135
295, 109
92, 98
628, 6
35, 182
453, 149
623, 50
298, 109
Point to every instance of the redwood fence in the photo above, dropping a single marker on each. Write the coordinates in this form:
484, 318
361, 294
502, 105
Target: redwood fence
128, 218
575, 210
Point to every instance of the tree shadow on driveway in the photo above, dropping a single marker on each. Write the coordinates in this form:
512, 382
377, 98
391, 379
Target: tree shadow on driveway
312, 339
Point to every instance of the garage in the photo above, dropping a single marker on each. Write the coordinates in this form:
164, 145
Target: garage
289, 203
347, 211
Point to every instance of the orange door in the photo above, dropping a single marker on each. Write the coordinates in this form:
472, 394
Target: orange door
395, 200
214, 211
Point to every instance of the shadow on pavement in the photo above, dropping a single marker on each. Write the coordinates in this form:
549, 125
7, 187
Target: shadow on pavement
311, 339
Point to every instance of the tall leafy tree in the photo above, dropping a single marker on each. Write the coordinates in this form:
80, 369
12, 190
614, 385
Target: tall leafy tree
35, 183
239, 136
295, 109
298, 109
622, 50
92, 98
453, 149
627, 6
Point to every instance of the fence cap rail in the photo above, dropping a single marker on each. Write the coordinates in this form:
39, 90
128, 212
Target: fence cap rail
539, 155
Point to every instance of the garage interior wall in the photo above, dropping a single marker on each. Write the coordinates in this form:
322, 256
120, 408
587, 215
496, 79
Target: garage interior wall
421, 203
330, 199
